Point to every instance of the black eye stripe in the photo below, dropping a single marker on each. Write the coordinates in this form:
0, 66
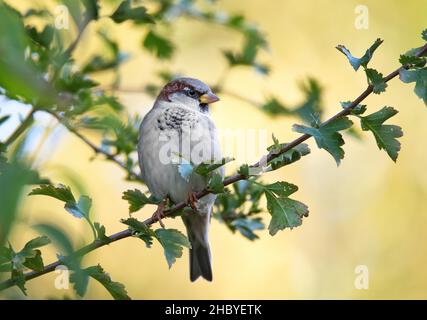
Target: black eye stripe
192, 92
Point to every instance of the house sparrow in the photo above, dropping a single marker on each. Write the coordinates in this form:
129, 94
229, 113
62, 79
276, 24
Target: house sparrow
179, 126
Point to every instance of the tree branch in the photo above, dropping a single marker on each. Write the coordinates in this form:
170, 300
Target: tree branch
230, 180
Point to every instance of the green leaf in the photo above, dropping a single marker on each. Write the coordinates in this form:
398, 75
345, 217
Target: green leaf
43, 38
100, 232
363, 61
140, 230
328, 137
37, 243
253, 41
172, 242
412, 61
75, 82
12, 183
19, 260
18, 279
4, 119
6, 267
111, 101
247, 227
215, 184
75, 10
274, 107
311, 109
125, 12
160, 46
6, 255
116, 289
58, 237
137, 199
99, 63
385, 135
80, 279
424, 34
287, 157
81, 208
19, 76
60, 192
205, 168
244, 170
285, 212
419, 76
3, 157
92, 8
29, 256
35, 263
357, 110
376, 80
37, 13
126, 136
281, 188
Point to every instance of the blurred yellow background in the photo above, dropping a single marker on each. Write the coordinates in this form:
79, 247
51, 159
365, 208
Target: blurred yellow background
369, 211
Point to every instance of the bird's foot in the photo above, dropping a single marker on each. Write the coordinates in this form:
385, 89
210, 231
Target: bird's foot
192, 200
159, 213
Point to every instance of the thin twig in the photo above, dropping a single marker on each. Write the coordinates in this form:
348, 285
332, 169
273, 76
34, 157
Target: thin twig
81, 29
69, 51
28, 120
238, 96
230, 180
94, 147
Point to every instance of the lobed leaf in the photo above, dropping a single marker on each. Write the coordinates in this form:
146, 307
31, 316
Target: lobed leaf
385, 135
140, 230
412, 61
37, 243
376, 80
81, 208
205, 168
328, 137
287, 157
60, 192
125, 12
116, 289
419, 76
364, 60
285, 212
172, 242
101, 233
138, 200
158, 45
215, 184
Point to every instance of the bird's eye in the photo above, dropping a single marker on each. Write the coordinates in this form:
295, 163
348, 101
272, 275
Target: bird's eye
191, 93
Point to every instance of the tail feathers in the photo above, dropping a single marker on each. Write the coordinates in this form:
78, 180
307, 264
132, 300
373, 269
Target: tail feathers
200, 262
200, 255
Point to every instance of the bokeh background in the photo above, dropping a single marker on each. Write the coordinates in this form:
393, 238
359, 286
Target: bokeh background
369, 211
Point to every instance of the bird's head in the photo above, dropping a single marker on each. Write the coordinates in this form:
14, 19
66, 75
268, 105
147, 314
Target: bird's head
190, 92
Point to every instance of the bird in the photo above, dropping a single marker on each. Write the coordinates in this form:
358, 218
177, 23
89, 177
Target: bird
179, 130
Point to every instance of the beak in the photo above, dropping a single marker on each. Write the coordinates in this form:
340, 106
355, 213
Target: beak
208, 98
